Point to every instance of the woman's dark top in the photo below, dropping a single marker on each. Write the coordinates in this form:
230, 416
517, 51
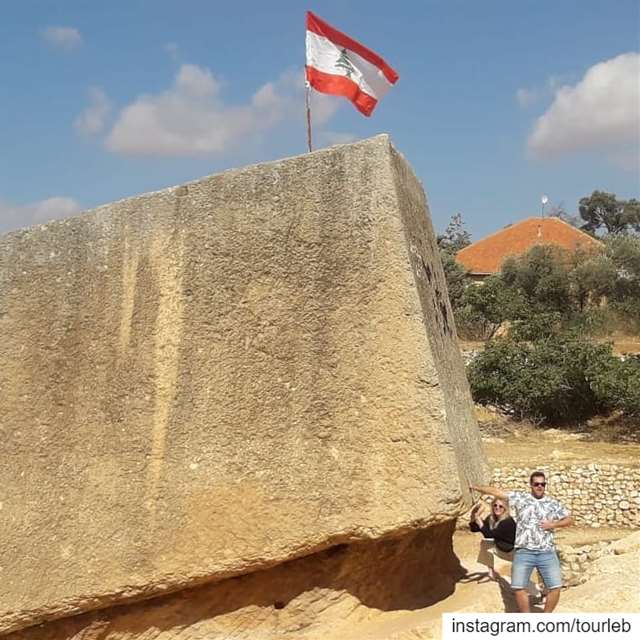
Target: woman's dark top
504, 533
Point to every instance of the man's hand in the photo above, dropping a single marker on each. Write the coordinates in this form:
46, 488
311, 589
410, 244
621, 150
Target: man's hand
547, 524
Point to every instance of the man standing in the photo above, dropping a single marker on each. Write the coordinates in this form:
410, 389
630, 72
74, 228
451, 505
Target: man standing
536, 516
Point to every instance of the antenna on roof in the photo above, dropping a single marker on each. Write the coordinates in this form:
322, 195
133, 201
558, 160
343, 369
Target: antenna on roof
544, 201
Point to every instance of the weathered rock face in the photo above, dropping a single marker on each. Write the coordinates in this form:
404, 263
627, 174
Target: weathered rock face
318, 597
215, 378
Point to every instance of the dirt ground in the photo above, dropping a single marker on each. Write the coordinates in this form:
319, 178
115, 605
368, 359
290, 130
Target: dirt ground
621, 343
538, 446
504, 440
475, 592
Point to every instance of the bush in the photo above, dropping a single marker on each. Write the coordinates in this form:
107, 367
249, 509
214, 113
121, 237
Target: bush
605, 321
472, 326
618, 383
550, 379
489, 304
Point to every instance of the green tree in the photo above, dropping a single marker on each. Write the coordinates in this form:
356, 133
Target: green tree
592, 279
624, 253
541, 277
602, 210
489, 304
455, 236
456, 277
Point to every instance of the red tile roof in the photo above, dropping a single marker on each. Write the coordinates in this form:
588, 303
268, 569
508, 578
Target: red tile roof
487, 255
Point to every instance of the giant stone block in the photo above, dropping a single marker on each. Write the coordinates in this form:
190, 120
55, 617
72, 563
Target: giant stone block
211, 379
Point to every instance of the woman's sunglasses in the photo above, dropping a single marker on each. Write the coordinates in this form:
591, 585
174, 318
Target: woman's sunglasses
498, 506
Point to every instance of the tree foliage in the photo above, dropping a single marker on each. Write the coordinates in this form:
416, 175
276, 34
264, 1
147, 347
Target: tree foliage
554, 377
603, 211
550, 285
624, 296
540, 276
543, 367
455, 236
456, 277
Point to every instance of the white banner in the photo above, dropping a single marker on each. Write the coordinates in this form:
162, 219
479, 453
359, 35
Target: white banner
536, 626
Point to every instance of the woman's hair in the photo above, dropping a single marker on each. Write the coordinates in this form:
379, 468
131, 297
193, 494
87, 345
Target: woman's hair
493, 520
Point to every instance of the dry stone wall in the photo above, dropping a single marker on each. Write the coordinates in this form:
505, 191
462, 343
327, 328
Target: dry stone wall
576, 560
599, 495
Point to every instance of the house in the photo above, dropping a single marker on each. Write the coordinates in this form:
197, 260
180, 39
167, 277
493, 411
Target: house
485, 257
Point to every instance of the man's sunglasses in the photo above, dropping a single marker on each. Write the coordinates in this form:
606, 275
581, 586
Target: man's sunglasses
539, 484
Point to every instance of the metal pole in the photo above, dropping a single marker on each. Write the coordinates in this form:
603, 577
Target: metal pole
307, 92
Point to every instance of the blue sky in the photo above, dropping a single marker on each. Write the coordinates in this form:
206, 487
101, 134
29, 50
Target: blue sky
498, 102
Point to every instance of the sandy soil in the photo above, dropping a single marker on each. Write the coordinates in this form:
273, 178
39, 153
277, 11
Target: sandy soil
475, 592
539, 446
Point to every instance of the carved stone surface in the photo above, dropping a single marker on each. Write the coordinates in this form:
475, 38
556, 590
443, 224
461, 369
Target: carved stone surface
216, 378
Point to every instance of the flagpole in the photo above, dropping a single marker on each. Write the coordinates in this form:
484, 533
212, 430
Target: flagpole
307, 93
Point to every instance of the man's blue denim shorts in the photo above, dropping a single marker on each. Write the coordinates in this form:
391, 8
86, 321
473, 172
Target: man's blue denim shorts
546, 562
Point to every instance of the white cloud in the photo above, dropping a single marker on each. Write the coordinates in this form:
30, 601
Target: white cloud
93, 119
600, 113
529, 96
18, 216
62, 37
554, 82
191, 117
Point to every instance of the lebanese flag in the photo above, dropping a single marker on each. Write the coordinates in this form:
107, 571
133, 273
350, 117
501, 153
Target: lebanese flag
339, 65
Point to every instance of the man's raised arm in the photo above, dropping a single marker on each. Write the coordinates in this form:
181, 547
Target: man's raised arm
490, 491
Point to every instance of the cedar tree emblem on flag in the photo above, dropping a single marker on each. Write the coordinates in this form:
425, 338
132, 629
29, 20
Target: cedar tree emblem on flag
339, 65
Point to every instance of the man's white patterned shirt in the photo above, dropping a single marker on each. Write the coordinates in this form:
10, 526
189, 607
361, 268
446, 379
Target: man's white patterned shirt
529, 512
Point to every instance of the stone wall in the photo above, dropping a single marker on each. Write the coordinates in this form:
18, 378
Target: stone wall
576, 559
599, 495
216, 378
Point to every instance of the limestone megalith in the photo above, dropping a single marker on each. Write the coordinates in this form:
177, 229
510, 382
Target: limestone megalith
215, 378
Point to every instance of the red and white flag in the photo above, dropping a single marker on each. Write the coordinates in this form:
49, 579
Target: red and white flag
339, 65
